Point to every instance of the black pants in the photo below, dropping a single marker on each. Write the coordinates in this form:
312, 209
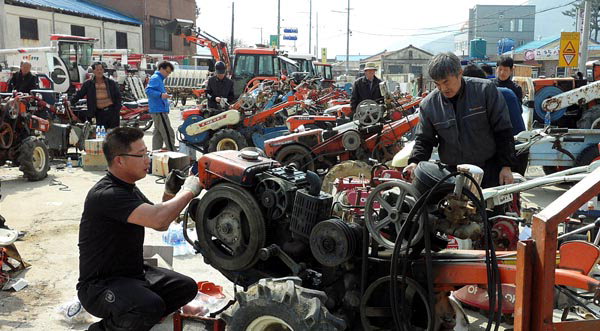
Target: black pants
108, 117
136, 304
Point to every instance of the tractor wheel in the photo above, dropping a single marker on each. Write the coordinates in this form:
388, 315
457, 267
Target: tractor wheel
296, 155
587, 156
183, 101
230, 227
226, 139
34, 159
345, 169
148, 125
282, 305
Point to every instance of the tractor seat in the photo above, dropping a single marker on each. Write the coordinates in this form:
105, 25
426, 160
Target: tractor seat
7, 237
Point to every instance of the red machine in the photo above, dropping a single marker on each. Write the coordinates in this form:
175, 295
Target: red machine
135, 114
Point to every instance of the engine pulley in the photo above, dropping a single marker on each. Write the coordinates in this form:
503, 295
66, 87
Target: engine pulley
273, 197
333, 242
368, 112
351, 140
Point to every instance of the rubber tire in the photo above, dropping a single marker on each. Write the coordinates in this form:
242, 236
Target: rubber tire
302, 309
226, 134
588, 117
285, 156
148, 125
342, 170
587, 155
257, 228
25, 159
183, 101
175, 99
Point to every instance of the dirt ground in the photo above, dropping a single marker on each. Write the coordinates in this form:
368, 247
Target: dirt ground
50, 211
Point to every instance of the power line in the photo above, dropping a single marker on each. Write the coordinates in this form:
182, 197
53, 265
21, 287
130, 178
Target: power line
459, 30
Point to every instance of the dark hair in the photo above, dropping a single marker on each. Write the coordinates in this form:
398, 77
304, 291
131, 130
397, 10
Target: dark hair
118, 141
487, 69
97, 63
165, 64
505, 61
473, 71
444, 65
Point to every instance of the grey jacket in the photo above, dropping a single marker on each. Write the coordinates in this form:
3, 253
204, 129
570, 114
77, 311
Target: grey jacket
467, 135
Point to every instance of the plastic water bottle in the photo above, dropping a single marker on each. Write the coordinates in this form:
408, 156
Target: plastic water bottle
102, 132
69, 164
174, 237
97, 131
547, 119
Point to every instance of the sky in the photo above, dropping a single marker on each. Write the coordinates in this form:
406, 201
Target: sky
375, 24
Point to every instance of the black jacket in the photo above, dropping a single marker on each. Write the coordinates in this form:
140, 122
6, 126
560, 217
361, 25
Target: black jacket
360, 91
23, 83
476, 132
89, 89
219, 88
510, 85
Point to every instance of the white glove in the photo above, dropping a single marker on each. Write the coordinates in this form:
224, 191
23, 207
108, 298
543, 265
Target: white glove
192, 184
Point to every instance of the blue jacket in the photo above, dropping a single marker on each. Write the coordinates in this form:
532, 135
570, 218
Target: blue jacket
514, 109
156, 87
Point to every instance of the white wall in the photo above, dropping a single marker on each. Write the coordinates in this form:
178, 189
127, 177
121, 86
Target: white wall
49, 23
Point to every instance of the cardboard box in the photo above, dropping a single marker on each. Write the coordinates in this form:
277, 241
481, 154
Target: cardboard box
94, 162
93, 146
164, 162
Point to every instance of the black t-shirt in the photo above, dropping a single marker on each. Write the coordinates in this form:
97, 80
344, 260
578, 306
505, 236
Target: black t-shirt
109, 246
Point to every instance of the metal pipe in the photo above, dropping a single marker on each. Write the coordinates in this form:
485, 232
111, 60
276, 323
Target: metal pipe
492, 192
585, 37
278, 21
348, 41
310, 27
232, 21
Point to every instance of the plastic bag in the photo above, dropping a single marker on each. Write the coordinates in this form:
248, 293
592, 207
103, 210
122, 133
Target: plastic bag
204, 304
73, 312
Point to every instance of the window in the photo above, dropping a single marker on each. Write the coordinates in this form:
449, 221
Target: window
121, 40
244, 65
512, 25
417, 70
29, 28
500, 28
395, 69
265, 65
520, 25
521, 42
410, 54
77, 30
159, 37
561, 71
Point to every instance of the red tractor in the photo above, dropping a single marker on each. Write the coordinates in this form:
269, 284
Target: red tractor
19, 141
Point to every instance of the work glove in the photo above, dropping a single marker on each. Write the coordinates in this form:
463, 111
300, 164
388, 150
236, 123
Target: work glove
174, 181
192, 184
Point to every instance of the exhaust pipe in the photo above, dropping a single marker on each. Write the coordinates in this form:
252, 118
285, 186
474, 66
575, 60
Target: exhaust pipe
314, 183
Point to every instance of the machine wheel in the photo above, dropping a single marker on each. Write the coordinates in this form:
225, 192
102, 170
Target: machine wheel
6, 136
587, 156
183, 100
376, 311
148, 125
386, 211
230, 227
226, 139
175, 99
281, 305
34, 159
296, 155
589, 118
345, 169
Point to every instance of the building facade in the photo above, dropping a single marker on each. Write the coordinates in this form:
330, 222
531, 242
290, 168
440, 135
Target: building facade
495, 22
34, 21
154, 13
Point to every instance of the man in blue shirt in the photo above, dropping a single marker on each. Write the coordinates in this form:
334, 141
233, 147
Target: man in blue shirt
158, 104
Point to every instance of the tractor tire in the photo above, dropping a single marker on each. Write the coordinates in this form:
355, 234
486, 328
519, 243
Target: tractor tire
587, 155
34, 159
281, 304
297, 155
226, 139
183, 101
343, 170
588, 118
148, 125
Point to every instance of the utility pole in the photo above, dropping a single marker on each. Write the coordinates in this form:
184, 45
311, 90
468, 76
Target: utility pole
348, 41
232, 20
2, 28
317, 50
278, 20
585, 35
310, 27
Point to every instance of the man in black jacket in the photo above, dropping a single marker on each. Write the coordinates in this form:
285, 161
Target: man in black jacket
366, 87
219, 87
23, 81
504, 72
468, 118
103, 98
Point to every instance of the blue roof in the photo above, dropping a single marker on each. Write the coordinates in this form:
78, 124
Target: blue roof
351, 58
81, 7
536, 44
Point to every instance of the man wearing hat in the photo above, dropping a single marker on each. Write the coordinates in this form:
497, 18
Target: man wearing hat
366, 87
219, 87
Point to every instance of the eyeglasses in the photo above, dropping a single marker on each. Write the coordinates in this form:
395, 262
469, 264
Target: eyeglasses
146, 155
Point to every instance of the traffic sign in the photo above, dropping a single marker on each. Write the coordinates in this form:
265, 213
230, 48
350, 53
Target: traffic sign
290, 37
569, 49
323, 55
273, 40
290, 30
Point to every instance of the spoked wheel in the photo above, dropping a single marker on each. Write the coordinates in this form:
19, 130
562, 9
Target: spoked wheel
386, 211
6, 136
230, 227
376, 310
368, 112
297, 156
281, 305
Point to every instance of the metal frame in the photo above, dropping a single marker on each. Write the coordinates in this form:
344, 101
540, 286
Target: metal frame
536, 262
